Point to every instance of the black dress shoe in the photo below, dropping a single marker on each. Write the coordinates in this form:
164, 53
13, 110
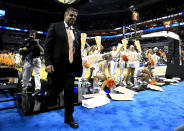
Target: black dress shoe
37, 91
72, 124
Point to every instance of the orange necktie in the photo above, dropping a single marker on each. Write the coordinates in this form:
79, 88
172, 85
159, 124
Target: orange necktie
70, 44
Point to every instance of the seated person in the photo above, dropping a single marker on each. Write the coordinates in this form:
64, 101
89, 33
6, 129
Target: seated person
143, 74
99, 73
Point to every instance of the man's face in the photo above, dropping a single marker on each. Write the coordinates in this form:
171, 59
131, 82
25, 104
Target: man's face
70, 17
33, 35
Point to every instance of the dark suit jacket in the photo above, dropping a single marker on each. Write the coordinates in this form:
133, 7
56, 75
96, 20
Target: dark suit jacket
57, 50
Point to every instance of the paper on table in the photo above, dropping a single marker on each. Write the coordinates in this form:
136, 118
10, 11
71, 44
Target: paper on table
122, 97
95, 102
168, 80
160, 84
92, 95
125, 91
154, 87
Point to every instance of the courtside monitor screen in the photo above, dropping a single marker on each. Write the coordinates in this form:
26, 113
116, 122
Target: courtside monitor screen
2, 13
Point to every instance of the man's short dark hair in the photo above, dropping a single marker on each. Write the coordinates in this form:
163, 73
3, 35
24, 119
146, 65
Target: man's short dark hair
71, 9
32, 32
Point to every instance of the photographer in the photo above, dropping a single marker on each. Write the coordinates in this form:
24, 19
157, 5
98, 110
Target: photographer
31, 50
143, 74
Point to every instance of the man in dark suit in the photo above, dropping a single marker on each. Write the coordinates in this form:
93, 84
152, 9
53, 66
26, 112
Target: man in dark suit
63, 60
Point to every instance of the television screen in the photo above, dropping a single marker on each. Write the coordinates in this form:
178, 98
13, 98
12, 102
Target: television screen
2, 13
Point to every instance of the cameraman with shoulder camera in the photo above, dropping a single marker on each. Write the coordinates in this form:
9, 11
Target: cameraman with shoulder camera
31, 50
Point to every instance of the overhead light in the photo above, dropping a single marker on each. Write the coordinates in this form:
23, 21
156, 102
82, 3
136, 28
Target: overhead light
67, 1
132, 8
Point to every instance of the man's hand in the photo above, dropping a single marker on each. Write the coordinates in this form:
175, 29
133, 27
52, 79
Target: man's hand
40, 47
23, 49
50, 68
37, 41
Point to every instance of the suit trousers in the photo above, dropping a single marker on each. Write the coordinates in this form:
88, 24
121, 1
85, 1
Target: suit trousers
64, 82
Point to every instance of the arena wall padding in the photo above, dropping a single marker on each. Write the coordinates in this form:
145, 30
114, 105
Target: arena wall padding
174, 70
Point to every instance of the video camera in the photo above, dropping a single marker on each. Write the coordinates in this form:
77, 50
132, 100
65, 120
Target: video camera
31, 43
33, 48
